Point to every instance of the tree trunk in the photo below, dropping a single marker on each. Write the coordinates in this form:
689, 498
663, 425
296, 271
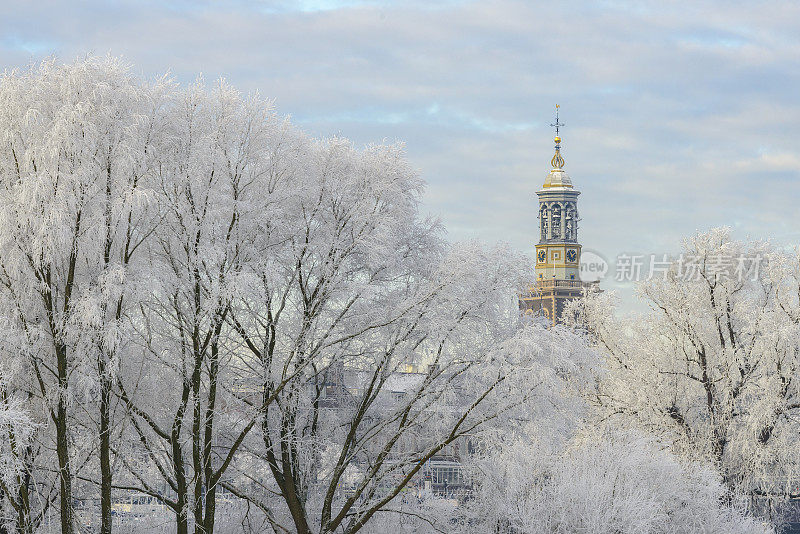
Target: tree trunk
291, 490
105, 448
208, 437
62, 444
197, 462
105, 384
182, 487
64, 469
182, 517
24, 523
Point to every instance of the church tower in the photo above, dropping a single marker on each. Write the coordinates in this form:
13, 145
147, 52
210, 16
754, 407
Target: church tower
558, 253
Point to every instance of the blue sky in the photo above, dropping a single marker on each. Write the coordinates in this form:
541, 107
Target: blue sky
679, 116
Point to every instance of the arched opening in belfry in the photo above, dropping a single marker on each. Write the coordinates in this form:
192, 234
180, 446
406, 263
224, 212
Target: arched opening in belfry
571, 223
556, 221
543, 221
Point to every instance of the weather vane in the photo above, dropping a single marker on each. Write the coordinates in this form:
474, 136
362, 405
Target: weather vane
557, 124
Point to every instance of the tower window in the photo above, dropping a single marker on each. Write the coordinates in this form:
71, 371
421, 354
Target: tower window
572, 277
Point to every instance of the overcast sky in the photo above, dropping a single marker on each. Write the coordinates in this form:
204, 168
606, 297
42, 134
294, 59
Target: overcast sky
679, 116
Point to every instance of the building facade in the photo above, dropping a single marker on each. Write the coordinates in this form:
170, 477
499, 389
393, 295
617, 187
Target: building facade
558, 253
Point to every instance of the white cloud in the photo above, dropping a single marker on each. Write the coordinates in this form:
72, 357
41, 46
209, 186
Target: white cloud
679, 115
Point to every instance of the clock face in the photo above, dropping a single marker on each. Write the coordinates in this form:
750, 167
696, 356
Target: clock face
572, 255
542, 256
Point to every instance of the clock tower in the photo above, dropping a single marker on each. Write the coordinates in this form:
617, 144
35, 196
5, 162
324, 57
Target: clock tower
558, 253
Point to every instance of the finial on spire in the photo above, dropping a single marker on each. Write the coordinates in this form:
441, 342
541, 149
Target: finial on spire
558, 161
557, 124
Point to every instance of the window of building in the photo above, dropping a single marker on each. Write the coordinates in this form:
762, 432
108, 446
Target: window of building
449, 475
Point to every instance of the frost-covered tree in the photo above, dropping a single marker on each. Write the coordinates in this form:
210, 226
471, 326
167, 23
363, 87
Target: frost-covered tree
215, 197
349, 287
552, 367
611, 482
352, 430
714, 367
73, 179
549, 469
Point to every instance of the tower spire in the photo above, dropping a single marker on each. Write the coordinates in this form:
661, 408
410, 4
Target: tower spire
558, 253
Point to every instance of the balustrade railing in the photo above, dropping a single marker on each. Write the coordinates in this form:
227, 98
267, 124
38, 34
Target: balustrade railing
542, 284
